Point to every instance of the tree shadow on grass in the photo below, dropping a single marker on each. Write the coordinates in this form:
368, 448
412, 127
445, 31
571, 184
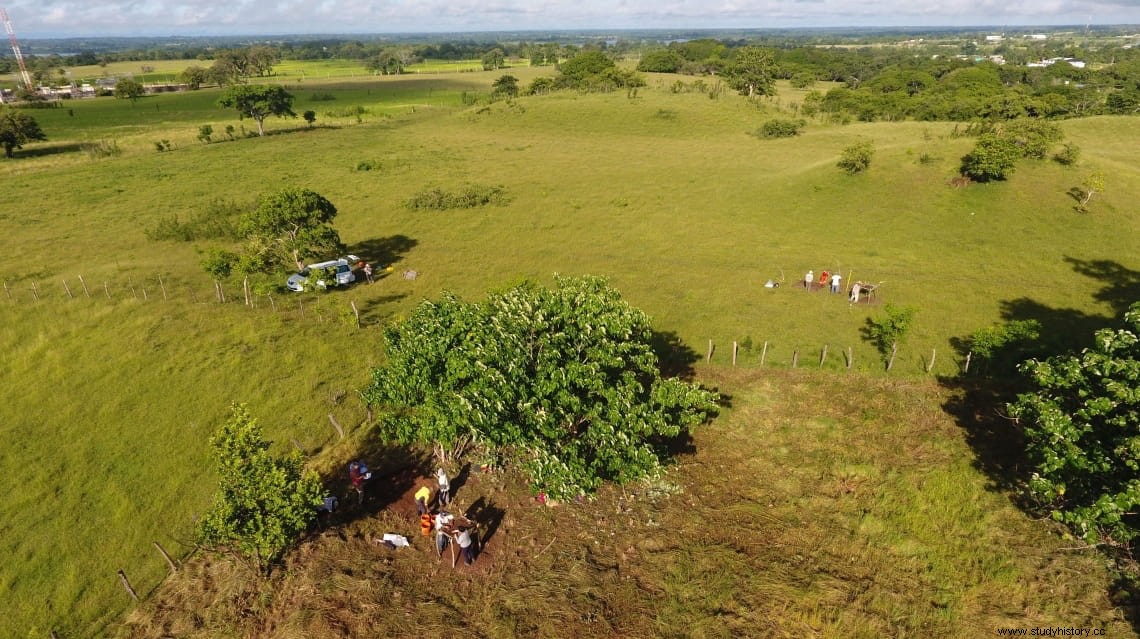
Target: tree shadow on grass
395, 470
383, 251
978, 402
487, 516
44, 150
377, 310
675, 358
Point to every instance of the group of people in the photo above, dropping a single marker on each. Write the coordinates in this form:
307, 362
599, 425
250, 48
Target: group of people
448, 528
833, 280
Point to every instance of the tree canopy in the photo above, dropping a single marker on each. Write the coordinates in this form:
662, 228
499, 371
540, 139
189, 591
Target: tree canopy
264, 502
128, 89
561, 381
259, 101
1082, 429
16, 129
288, 227
751, 71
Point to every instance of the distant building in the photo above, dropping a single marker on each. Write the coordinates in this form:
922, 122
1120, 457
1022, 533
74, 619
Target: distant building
1073, 62
995, 38
1037, 36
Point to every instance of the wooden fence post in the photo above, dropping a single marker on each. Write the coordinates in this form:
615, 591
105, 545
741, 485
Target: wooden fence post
823, 356
356, 312
967, 368
850, 357
6, 291
144, 294
763, 354
336, 425
933, 354
795, 358
68, 289
735, 348
162, 285
708, 357
894, 350
85, 291
106, 290
245, 290
127, 585
166, 556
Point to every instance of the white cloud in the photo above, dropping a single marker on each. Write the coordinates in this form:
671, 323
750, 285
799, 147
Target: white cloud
43, 18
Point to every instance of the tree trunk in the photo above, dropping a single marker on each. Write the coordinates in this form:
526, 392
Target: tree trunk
260, 126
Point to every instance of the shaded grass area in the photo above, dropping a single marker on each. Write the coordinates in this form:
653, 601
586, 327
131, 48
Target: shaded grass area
819, 505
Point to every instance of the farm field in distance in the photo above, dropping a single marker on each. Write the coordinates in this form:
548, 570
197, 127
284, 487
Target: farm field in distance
113, 393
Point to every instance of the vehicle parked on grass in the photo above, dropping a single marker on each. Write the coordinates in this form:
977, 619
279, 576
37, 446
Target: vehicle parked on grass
338, 272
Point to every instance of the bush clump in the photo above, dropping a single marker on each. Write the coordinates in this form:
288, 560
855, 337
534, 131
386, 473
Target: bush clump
780, 128
468, 197
218, 220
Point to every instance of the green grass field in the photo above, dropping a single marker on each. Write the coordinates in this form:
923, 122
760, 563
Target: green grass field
109, 402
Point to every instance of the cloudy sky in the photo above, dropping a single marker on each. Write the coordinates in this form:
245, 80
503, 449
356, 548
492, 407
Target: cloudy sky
55, 18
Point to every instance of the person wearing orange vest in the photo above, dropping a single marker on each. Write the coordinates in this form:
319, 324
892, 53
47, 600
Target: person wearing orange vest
423, 496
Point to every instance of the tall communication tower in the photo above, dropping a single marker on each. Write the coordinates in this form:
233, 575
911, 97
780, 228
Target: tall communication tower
28, 86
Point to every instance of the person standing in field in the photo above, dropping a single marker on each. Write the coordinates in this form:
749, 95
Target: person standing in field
444, 496
466, 546
855, 291
368, 272
358, 473
808, 279
836, 278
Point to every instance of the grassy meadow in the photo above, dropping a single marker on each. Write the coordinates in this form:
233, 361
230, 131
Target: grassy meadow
110, 396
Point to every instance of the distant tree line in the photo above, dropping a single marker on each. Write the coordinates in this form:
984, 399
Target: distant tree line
931, 82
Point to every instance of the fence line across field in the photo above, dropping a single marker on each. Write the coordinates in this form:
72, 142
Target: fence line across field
41, 294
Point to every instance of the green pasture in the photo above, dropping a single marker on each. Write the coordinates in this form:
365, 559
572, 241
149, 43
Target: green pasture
108, 402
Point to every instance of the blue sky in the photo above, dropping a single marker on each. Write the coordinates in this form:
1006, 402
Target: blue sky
61, 18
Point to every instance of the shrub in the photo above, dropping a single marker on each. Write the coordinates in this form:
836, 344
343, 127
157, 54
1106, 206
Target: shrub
205, 132
1068, 155
470, 196
856, 158
218, 220
322, 97
264, 502
886, 333
780, 128
102, 149
992, 158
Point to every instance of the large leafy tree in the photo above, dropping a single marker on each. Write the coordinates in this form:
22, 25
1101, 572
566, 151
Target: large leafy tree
992, 158
264, 502
16, 129
288, 227
752, 72
1082, 427
128, 89
561, 381
259, 101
